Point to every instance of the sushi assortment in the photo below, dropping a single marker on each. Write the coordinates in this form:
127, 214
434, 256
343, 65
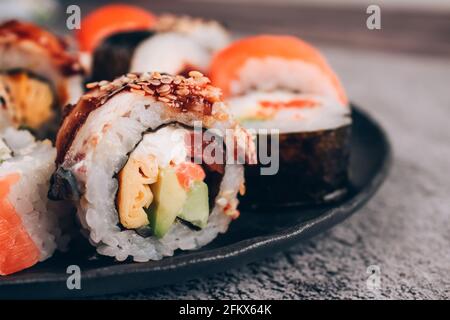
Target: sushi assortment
129, 146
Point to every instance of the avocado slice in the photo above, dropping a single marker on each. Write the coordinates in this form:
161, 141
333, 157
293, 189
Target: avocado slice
169, 199
196, 207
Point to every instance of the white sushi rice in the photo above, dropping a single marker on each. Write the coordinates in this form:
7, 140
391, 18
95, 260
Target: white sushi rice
34, 162
326, 114
209, 34
270, 73
169, 53
180, 42
128, 116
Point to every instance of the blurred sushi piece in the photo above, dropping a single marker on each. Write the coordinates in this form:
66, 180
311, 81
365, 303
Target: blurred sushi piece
283, 83
179, 45
38, 73
167, 44
30, 225
106, 21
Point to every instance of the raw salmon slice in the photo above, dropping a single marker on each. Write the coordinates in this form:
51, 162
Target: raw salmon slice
110, 19
227, 63
17, 249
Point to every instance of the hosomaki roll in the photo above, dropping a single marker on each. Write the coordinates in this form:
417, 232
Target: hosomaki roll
171, 44
39, 74
30, 225
283, 83
126, 158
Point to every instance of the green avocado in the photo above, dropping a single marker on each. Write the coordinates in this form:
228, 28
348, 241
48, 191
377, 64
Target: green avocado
169, 199
196, 207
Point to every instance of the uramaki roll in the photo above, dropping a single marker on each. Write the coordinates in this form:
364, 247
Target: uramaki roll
125, 161
39, 73
283, 83
31, 226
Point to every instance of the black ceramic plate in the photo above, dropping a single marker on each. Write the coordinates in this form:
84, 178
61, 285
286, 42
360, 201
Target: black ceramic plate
252, 236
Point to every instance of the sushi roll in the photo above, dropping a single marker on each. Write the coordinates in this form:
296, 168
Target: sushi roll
173, 45
180, 44
30, 225
128, 159
106, 21
38, 73
283, 83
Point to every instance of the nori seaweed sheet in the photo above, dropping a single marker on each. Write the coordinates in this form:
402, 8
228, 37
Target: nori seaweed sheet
313, 169
112, 58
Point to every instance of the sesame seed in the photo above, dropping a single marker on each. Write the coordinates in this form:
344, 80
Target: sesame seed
202, 80
92, 85
195, 74
131, 75
222, 116
178, 79
140, 92
156, 75
164, 89
166, 79
163, 99
134, 86
222, 202
171, 97
148, 90
155, 82
117, 82
183, 92
103, 83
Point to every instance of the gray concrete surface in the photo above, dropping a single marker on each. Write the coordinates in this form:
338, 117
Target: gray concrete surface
404, 229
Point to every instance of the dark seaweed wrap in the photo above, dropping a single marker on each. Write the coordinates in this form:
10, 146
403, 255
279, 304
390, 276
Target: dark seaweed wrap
313, 169
112, 57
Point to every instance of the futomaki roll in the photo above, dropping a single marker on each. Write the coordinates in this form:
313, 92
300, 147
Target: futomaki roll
283, 83
30, 225
38, 73
167, 44
144, 185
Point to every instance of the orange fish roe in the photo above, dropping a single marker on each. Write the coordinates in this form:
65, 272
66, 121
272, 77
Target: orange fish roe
296, 103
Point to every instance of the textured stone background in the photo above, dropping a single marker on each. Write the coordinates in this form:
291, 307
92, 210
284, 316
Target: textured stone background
404, 229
